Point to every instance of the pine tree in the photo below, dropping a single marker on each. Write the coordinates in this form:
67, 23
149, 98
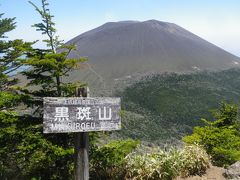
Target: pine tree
46, 156
50, 67
220, 138
11, 57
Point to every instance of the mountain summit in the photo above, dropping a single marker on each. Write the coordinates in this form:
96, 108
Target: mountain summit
121, 49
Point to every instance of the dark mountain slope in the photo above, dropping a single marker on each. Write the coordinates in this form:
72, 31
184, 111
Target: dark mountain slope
122, 49
164, 107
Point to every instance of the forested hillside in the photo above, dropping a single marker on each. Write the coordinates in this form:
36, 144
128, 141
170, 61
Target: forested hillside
164, 107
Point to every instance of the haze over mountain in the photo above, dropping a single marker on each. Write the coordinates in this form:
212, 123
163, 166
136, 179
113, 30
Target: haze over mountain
122, 49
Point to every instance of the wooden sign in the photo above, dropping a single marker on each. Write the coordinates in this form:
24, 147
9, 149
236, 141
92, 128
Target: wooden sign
78, 114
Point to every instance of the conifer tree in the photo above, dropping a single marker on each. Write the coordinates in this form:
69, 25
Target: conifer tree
220, 138
11, 57
46, 156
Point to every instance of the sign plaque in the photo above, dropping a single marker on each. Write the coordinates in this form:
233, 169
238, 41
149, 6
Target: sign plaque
81, 114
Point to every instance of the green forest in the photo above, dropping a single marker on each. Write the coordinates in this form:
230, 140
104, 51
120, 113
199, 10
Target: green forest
173, 125
172, 104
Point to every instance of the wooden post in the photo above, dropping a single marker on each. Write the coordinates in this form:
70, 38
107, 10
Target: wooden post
81, 147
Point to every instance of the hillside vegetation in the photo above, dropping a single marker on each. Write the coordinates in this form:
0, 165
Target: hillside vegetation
163, 108
158, 109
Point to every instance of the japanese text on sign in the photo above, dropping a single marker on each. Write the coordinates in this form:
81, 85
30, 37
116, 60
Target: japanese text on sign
81, 114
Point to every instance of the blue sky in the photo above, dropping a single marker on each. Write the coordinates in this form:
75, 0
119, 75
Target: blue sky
217, 21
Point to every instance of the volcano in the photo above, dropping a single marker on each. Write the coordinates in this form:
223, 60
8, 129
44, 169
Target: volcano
123, 49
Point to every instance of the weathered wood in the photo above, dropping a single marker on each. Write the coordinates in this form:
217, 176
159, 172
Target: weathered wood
81, 114
81, 147
81, 156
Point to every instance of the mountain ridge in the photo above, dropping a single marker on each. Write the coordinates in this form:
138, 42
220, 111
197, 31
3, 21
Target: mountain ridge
121, 49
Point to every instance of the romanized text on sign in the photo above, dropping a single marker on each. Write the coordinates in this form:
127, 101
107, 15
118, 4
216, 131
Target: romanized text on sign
77, 114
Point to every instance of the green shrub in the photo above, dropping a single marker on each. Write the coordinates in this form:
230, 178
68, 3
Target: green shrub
195, 161
221, 138
108, 161
191, 160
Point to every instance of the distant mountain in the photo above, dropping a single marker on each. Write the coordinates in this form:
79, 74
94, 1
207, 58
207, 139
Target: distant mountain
168, 77
119, 50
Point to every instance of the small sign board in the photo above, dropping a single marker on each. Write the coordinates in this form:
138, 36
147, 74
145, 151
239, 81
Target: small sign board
79, 114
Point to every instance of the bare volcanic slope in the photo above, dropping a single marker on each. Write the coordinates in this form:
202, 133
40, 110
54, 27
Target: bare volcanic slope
122, 49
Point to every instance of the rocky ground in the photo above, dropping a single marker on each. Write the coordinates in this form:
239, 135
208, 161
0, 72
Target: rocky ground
213, 173
218, 173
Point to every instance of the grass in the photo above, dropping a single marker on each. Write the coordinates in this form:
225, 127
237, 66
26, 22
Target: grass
166, 165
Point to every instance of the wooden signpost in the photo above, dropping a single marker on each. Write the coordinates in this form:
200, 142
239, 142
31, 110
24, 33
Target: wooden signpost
81, 114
